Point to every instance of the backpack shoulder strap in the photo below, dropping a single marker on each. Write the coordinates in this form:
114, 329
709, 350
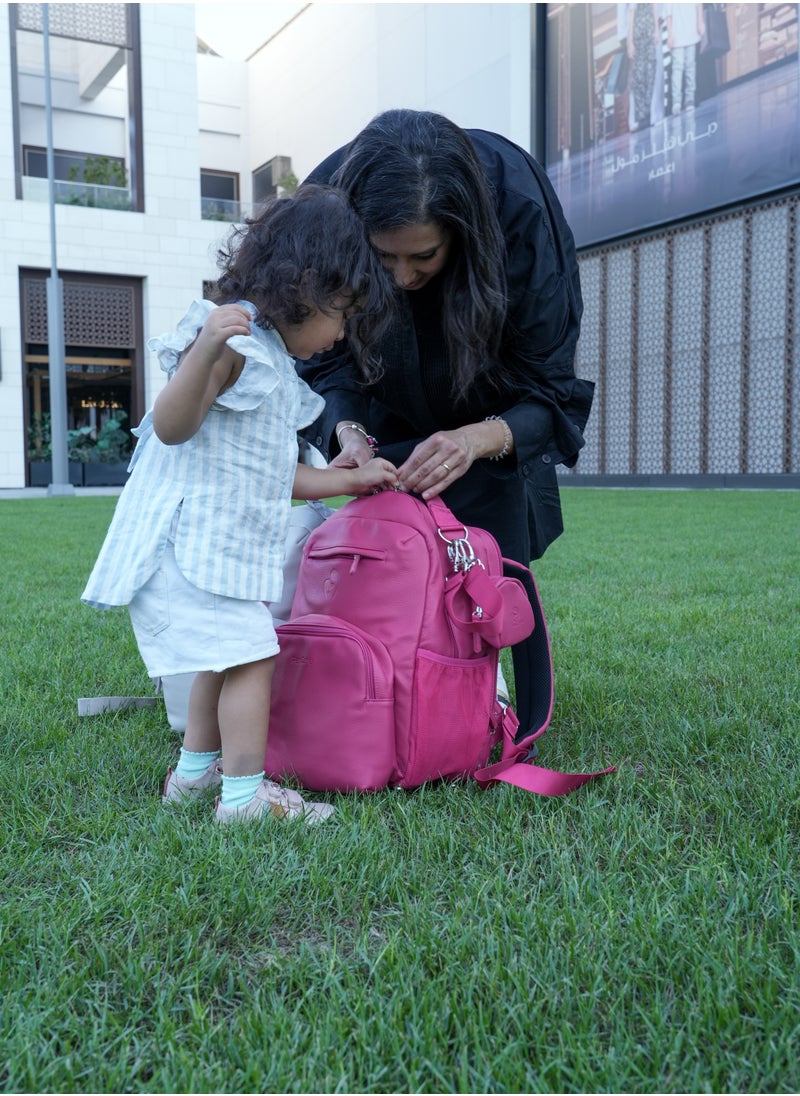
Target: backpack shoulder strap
533, 682
533, 664
533, 677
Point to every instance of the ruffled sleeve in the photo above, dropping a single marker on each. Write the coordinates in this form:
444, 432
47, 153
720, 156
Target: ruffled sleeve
169, 347
267, 362
262, 351
264, 355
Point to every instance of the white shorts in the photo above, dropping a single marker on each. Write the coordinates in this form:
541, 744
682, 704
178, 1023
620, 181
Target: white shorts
182, 629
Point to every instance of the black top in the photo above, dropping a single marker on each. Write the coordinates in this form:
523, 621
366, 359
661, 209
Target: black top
544, 403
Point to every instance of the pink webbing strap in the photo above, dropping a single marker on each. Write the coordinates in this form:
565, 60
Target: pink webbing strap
513, 769
445, 519
533, 778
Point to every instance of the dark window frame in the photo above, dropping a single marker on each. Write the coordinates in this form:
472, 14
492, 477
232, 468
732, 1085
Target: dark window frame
213, 173
272, 170
132, 359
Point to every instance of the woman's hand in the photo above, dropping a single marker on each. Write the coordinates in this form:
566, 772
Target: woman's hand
440, 460
353, 454
447, 455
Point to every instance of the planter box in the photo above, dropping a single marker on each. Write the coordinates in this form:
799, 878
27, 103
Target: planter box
105, 474
42, 473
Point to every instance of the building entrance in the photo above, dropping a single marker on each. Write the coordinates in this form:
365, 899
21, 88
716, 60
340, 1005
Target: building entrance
104, 373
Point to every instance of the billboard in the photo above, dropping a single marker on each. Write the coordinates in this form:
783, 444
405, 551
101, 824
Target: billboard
659, 112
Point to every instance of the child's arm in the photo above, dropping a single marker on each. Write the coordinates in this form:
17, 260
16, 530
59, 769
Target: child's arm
206, 367
325, 483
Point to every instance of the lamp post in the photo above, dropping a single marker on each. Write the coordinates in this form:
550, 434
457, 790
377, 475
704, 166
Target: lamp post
60, 484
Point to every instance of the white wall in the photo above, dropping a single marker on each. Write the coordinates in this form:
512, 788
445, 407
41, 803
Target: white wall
335, 66
168, 246
222, 117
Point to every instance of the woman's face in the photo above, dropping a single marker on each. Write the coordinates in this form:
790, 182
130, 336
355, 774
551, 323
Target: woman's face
413, 254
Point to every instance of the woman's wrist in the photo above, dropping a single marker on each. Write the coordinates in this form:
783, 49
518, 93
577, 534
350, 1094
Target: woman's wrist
357, 430
506, 445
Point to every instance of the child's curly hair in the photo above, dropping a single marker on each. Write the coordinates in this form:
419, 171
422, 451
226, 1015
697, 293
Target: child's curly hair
302, 253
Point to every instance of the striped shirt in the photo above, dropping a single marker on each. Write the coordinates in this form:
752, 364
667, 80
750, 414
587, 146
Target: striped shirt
232, 480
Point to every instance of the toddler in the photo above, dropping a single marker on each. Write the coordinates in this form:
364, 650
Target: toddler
196, 544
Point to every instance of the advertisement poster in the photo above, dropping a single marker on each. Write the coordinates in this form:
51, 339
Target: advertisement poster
660, 112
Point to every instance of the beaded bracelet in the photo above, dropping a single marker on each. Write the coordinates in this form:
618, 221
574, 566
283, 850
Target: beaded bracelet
371, 442
508, 437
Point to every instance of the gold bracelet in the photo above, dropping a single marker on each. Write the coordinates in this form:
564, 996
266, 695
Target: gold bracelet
508, 437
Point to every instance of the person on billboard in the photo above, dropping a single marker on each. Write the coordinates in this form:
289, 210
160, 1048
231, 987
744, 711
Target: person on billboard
685, 28
643, 38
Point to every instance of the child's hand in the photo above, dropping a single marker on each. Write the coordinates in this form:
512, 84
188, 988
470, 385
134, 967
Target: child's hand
376, 475
323, 483
222, 324
207, 367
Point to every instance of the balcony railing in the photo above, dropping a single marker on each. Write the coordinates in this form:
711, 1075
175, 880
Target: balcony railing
221, 209
35, 189
79, 194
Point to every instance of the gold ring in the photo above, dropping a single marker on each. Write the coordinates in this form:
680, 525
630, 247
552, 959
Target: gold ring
446, 465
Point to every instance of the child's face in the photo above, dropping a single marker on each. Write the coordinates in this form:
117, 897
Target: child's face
317, 332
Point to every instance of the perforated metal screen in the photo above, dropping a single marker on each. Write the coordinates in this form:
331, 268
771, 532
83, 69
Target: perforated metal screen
95, 315
691, 336
104, 23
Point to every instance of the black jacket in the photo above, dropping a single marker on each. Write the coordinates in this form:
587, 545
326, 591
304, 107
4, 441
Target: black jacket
546, 406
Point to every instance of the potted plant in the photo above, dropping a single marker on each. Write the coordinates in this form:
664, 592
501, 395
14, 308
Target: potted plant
95, 458
108, 454
104, 183
40, 455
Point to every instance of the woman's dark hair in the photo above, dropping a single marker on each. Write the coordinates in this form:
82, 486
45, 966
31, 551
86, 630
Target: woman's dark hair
301, 253
411, 167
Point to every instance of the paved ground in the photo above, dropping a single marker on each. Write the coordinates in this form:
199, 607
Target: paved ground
44, 492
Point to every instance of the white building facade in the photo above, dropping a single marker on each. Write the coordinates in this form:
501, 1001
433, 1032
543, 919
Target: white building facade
159, 146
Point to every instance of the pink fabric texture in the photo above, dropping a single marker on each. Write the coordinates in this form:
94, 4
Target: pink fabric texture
388, 664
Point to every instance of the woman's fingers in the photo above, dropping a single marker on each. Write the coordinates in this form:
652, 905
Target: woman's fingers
435, 463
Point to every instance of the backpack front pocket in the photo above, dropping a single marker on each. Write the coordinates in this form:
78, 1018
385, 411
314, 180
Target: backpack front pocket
331, 724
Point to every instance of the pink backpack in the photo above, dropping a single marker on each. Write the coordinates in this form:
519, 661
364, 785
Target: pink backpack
388, 665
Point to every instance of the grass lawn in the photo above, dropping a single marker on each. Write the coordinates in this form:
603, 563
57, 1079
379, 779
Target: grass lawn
639, 935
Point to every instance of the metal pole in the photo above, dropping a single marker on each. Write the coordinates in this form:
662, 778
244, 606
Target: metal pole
60, 484
538, 81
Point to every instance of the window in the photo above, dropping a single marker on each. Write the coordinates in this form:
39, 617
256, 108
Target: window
81, 179
94, 50
268, 177
76, 167
219, 195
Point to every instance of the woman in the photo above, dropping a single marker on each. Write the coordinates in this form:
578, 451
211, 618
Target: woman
477, 399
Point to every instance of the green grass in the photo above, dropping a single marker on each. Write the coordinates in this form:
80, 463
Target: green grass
638, 935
